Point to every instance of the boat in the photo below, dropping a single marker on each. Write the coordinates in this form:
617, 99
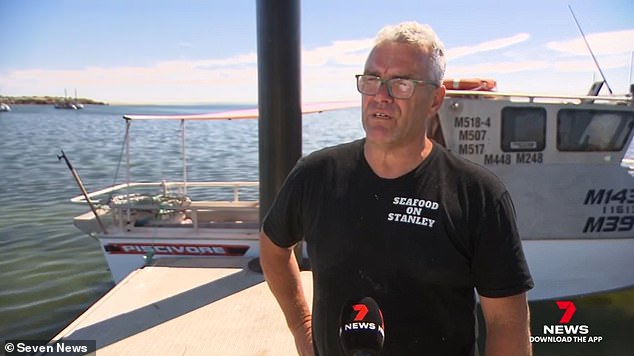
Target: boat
563, 160
78, 105
4, 107
560, 156
65, 105
137, 222
69, 104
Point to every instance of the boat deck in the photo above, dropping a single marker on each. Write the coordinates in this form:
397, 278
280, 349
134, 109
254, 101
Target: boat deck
187, 307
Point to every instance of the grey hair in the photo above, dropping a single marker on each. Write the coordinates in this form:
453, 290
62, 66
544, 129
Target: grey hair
420, 35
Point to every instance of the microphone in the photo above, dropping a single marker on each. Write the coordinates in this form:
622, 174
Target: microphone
361, 329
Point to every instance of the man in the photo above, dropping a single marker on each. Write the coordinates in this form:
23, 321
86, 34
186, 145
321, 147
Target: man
396, 217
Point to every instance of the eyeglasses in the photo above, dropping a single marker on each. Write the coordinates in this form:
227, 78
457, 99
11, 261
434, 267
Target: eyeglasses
398, 88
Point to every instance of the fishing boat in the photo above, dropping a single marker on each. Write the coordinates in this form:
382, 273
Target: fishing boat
137, 222
561, 157
4, 107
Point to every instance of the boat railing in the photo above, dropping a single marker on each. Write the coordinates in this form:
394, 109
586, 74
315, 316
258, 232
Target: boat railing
125, 208
626, 99
126, 188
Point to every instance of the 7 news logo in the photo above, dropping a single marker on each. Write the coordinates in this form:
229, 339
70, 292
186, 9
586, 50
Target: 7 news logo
563, 328
361, 310
359, 321
569, 308
565, 331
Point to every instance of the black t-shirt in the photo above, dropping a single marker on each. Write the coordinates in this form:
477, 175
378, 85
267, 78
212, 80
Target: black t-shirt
418, 244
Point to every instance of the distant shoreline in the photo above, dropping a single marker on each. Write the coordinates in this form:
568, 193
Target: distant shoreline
46, 100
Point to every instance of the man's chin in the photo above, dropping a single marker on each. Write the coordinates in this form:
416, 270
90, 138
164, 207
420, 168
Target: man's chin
379, 140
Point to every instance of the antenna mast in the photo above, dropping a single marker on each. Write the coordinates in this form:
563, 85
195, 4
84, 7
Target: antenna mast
590, 49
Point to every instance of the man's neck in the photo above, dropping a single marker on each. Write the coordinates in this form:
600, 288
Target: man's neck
393, 162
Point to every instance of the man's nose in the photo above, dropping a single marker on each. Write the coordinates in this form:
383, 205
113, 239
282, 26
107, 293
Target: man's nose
383, 94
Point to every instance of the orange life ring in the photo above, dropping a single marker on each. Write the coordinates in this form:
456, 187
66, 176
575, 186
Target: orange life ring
484, 84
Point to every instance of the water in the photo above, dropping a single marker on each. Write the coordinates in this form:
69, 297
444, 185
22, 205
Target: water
50, 272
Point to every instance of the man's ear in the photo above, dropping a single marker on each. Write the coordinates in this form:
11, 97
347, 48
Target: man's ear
438, 99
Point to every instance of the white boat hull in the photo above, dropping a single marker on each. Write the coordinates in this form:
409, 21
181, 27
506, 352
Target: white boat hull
126, 251
564, 268
560, 268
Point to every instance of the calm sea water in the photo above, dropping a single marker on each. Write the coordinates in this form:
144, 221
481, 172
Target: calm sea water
50, 272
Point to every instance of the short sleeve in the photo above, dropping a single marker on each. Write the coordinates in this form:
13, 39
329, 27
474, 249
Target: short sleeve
283, 223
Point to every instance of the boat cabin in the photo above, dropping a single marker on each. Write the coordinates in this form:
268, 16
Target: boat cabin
559, 156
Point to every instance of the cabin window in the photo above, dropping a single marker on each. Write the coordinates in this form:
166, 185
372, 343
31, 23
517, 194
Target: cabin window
593, 130
523, 129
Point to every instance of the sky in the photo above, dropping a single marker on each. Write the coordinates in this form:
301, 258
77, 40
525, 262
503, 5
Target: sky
205, 51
